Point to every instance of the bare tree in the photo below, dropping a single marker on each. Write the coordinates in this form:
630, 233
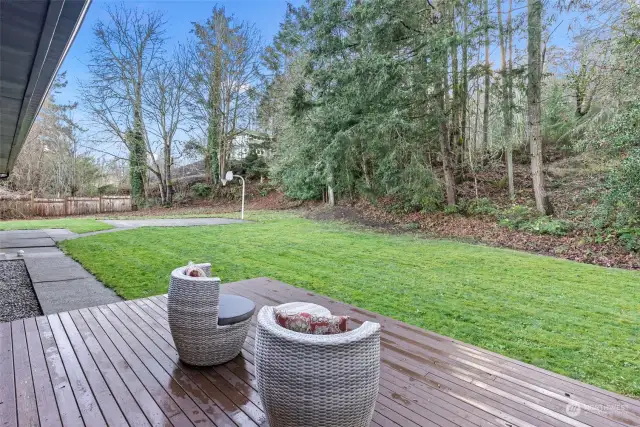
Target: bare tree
127, 47
164, 105
223, 72
50, 163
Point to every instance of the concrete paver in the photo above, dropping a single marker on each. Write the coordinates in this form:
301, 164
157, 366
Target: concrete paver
64, 268
25, 243
40, 251
73, 294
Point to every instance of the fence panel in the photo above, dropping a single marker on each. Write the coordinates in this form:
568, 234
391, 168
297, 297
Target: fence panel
47, 207
26, 207
83, 205
20, 207
115, 204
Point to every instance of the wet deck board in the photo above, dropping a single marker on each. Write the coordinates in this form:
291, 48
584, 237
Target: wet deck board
117, 365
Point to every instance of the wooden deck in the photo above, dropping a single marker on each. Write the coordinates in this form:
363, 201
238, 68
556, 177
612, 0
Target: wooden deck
116, 365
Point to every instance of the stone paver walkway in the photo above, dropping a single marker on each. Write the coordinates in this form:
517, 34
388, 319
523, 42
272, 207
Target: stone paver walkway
170, 222
128, 224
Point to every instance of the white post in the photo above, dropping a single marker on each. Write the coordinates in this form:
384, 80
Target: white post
242, 210
228, 177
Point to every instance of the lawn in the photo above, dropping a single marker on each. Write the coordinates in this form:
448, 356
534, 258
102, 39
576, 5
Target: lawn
578, 320
77, 225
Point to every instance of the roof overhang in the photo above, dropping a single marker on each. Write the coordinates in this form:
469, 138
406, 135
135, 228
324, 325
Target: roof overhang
35, 36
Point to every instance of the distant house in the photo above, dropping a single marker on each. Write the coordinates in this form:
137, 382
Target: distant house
249, 140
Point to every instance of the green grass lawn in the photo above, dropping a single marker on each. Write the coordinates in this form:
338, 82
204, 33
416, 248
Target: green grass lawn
578, 320
77, 225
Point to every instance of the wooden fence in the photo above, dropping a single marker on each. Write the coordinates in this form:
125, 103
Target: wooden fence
26, 207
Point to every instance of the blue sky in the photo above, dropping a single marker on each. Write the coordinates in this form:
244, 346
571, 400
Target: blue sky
265, 14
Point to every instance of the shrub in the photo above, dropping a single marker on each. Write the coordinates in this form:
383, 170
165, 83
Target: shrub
619, 204
481, 206
526, 219
265, 188
514, 217
201, 190
630, 238
451, 209
547, 225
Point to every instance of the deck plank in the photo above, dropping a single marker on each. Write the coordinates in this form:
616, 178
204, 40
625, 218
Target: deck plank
25, 392
45, 398
223, 401
65, 399
118, 364
167, 393
8, 408
195, 385
134, 399
157, 406
86, 400
189, 378
96, 361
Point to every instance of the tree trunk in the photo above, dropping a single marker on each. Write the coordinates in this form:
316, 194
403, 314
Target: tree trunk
136, 169
465, 76
455, 99
487, 77
167, 173
213, 127
137, 157
509, 118
533, 100
330, 196
509, 156
506, 95
137, 147
222, 158
442, 89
